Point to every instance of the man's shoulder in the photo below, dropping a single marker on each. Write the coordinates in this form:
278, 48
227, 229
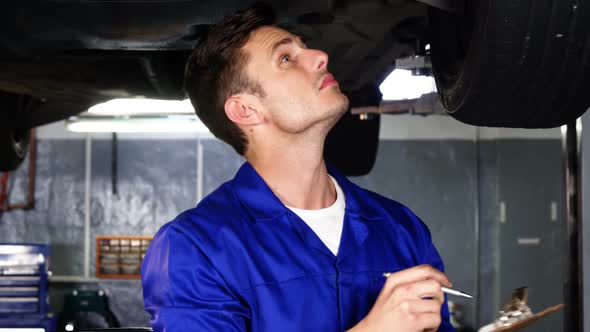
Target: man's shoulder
219, 209
380, 201
390, 208
401, 221
370, 199
383, 201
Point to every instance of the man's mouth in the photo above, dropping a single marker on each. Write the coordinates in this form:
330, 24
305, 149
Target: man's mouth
328, 80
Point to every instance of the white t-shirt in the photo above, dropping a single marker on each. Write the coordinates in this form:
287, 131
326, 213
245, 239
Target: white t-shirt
326, 223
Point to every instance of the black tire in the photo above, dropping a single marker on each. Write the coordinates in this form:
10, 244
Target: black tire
351, 146
518, 63
14, 144
14, 130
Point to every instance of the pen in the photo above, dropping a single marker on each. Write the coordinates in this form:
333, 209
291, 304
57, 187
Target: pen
444, 289
455, 292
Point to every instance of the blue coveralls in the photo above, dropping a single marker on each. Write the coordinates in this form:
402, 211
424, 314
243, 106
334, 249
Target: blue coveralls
242, 261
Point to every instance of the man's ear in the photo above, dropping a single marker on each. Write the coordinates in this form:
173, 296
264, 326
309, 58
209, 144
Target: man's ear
241, 112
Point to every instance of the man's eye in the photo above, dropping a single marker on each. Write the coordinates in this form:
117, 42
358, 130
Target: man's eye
285, 58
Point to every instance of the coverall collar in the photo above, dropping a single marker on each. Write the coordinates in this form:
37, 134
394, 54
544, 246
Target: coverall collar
262, 204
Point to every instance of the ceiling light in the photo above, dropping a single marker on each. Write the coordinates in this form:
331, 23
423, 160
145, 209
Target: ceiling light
138, 115
402, 85
140, 106
159, 124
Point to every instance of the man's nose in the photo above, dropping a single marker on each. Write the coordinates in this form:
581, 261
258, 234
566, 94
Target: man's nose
318, 60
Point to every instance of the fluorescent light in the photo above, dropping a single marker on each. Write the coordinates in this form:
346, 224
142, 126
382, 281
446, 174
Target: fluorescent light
402, 85
138, 106
138, 116
167, 124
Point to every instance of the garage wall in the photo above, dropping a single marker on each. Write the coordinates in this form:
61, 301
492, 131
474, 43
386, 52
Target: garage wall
531, 237
458, 187
455, 184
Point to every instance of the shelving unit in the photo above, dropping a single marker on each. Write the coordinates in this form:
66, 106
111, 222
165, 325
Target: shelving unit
120, 257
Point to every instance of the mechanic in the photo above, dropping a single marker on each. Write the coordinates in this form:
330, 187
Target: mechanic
289, 244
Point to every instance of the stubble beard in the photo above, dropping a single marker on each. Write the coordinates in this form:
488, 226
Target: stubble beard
330, 117
339, 110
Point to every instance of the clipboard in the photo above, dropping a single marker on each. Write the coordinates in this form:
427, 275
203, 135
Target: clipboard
512, 312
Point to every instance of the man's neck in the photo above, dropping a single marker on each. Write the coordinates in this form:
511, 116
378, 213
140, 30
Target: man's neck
297, 174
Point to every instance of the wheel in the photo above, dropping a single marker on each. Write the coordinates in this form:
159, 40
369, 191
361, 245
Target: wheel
518, 63
14, 144
14, 133
351, 146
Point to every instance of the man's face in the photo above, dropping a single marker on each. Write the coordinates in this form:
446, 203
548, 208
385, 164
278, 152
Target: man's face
299, 90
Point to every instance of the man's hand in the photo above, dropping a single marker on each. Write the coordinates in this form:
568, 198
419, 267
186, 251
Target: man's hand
410, 300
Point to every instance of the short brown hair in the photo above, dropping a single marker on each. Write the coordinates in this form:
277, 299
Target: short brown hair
216, 70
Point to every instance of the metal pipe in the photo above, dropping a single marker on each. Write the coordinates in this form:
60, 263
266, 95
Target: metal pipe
4, 191
30, 204
114, 162
572, 259
199, 169
87, 188
476, 217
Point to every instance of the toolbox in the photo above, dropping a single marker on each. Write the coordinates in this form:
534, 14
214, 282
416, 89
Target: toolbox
23, 287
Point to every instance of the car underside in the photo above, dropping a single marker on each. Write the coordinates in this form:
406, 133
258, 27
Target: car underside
99, 50
57, 58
